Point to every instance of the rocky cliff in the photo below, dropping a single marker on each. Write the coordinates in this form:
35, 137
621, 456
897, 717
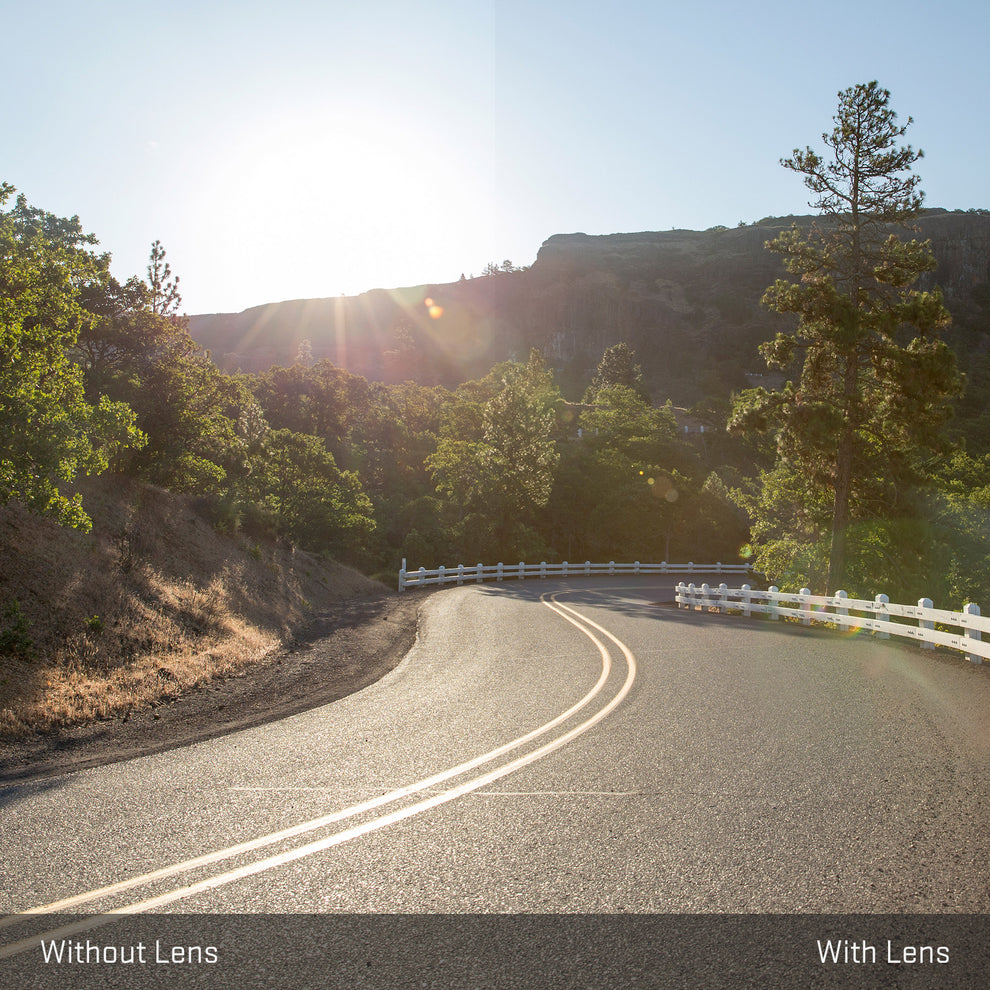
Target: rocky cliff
687, 301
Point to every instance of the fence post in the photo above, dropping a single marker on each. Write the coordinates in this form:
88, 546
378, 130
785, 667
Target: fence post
679, 593
402, 575
422, 576
460, 574
806, 608
879, 610
636, 567
611, 567
564, 571
499, 571
746, 601
772, 602
723, 598
840, 609
706, 592
522, 571
441, 575
479, 573
587, 567
926, 623
973, 634
543, 568
718, 567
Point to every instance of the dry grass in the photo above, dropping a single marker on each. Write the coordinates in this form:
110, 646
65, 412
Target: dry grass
152, 603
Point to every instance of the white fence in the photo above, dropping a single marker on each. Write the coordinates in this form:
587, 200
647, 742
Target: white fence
500, 572
881, 616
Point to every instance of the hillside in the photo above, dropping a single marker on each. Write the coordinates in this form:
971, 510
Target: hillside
687, 301
152, 604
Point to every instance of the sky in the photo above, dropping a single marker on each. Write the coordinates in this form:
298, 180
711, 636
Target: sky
305, 149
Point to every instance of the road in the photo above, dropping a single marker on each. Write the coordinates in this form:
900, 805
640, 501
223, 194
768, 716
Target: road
550, 748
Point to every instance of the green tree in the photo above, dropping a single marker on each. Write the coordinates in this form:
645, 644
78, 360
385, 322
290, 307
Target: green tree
49, 433
133, 347
496, 461
631, 488
310, 499
621, 418
164, 298
617, 367
875, 378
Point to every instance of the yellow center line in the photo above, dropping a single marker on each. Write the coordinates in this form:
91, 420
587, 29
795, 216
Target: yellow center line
374, 824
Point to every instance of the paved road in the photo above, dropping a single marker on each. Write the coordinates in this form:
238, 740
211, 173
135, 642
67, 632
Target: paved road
550, 747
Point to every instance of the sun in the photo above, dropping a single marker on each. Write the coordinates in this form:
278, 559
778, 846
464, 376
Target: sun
342, 199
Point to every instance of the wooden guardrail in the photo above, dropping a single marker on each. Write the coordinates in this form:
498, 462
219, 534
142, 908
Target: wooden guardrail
880, 616
501, 572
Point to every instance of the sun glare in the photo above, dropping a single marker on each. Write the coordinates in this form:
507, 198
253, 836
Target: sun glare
336, 196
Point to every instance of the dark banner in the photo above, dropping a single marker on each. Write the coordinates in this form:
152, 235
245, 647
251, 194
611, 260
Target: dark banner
496, 952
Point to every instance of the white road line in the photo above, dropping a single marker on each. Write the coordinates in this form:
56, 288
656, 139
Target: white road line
364, 828
560, 794
317, 823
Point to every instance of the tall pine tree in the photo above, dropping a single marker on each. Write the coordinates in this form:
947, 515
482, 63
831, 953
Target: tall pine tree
875, 379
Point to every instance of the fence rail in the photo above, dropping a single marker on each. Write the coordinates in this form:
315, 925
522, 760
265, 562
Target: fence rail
880, 616
503, 572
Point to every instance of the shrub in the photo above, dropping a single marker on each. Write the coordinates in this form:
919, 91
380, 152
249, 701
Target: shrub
15, 639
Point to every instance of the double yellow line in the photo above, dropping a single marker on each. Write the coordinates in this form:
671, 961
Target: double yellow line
585, 625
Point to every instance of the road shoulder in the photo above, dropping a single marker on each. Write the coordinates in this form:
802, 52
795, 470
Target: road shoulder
344, 650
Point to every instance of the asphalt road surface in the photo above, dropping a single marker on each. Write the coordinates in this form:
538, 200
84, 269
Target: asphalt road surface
548, 748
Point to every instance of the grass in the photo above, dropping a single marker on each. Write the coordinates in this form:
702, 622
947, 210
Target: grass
152, 603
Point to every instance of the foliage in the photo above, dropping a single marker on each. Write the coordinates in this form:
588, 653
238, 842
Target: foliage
15, 633
875, 379
49, 432
137, 350
630, 487
617, 367
163, 289
310, 500
623, 419
495, 461
957, 549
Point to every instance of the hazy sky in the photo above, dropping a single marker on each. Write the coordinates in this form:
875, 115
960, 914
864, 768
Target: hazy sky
295, 148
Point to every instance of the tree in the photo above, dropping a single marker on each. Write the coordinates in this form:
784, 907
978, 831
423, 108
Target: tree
496, 461
164, 299
875, 379
311, 500
304, 354
134, 348
617, 367
119, 332
49, 433
623, 419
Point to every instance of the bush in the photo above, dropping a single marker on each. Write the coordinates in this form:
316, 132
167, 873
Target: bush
15, 639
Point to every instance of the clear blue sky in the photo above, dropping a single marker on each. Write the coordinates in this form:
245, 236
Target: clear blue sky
300, 148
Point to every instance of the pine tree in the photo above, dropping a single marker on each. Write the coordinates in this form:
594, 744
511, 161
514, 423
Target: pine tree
875, 379
617, 367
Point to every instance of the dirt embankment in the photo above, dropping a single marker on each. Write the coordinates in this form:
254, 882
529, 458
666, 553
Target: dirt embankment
154, 630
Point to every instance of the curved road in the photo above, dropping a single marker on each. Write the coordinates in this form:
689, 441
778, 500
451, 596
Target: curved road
550, 747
